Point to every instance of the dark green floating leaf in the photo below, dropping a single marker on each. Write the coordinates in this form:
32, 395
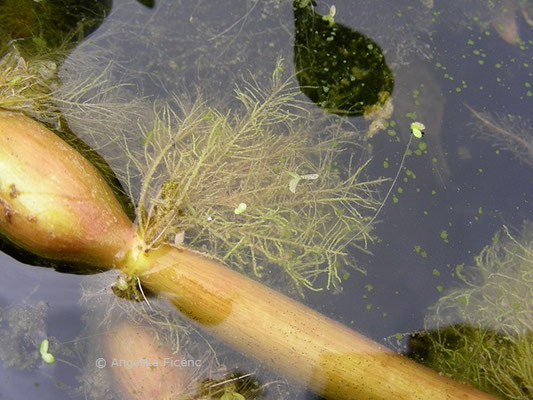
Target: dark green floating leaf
339, 69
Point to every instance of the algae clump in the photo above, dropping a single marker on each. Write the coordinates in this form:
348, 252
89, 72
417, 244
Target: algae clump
187, 164
199, 166
483, 332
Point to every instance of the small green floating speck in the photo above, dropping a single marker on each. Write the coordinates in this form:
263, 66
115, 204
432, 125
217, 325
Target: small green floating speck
410, 173
45, 355
459, 269
417, 129
240, 208
121, 283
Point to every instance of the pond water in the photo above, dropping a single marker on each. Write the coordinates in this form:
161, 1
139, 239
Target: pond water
464, 71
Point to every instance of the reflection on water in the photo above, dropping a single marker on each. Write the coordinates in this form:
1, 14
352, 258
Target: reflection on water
462, 70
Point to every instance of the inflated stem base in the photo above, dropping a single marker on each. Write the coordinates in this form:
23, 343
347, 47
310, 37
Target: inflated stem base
55, 204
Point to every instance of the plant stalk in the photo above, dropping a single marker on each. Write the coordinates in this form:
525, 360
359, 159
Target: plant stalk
54, 203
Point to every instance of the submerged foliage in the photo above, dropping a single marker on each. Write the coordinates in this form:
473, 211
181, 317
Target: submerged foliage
234, 386
484, 331
219, 182
35, 37
26, 86
198, 166
22, 327
509, 132
31, 85
41, 27
194, 166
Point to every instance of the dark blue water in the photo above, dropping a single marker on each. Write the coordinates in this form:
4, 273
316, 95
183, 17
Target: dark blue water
411, 265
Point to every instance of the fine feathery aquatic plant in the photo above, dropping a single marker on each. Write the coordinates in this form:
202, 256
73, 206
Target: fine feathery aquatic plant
36, 86
194, 165
26, 86
255, 186
507, 132
483, 332
35, 37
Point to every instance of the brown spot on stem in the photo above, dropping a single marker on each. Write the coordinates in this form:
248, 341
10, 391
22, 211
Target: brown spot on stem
191, 297
13, 193
202, 306
7, 211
